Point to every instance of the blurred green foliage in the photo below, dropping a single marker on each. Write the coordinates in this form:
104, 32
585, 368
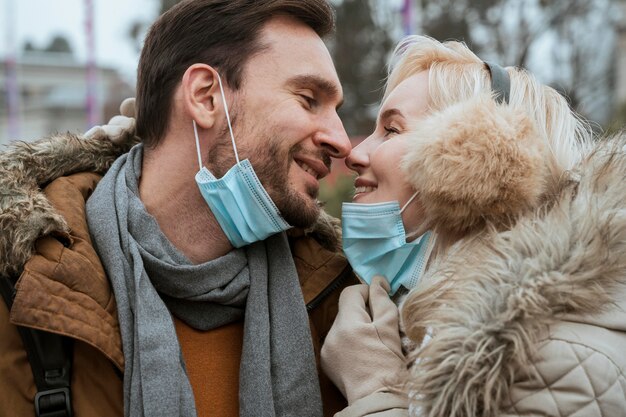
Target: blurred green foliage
334, 193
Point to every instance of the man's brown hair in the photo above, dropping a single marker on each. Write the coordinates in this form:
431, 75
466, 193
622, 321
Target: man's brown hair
220, 33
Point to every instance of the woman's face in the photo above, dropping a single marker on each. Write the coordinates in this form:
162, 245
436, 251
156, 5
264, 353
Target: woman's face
377, 159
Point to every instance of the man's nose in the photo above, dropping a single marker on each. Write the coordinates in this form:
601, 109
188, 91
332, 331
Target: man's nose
334, 139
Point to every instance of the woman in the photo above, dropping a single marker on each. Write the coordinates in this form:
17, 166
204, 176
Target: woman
521, 309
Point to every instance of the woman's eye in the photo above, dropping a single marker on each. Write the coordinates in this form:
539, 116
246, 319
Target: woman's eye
389, 130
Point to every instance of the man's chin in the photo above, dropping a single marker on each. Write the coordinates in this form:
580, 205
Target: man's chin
299, 211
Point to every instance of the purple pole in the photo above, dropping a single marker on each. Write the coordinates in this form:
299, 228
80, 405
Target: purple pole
407, 17
12, 86
92, 78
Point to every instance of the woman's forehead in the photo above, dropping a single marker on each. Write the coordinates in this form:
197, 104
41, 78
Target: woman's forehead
410, 97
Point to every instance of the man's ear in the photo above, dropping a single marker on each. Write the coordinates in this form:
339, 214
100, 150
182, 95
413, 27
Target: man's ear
201, 92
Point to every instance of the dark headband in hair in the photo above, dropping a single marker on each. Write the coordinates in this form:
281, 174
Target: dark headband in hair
500, 82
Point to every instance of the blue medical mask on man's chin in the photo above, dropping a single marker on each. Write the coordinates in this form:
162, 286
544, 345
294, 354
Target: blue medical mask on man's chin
374, 241
240, 204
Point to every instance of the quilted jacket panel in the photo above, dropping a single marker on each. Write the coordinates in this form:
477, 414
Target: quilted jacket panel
578, 372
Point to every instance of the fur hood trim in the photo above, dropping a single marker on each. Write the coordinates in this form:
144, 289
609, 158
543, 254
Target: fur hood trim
474, 163
25, 168
326, 231
495, 296
26, 214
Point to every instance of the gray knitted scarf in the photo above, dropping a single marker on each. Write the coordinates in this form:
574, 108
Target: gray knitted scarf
151, 280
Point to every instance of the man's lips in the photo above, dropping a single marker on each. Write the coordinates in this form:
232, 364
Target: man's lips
316, 168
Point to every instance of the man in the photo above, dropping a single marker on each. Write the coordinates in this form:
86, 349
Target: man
175, 294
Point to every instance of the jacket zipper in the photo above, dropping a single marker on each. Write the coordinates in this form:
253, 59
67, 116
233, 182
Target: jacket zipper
332, 287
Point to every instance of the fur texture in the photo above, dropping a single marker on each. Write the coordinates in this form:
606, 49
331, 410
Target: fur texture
327, 231
476, 163
493, 299
26, 214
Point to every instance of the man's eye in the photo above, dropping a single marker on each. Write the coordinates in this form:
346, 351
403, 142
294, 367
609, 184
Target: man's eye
310, 101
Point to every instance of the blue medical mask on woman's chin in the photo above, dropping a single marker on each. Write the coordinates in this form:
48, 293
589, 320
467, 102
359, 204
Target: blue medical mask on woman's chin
374, 242
240, 204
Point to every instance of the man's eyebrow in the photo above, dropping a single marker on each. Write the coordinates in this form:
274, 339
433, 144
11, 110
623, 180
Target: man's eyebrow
326, 87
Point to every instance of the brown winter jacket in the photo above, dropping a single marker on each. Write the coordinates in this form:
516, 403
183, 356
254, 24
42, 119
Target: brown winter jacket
62, 287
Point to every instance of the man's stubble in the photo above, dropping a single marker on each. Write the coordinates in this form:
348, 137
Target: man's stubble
271, 164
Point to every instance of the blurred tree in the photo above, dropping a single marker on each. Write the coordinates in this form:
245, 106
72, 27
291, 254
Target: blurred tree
29, 47
137, 29
360, 49
58, 43
568, 44
166, 4
135, 32
446, 19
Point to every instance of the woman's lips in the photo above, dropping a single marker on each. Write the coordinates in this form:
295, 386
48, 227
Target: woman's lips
362, 187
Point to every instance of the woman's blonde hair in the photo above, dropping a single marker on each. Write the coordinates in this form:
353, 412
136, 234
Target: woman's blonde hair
456, 74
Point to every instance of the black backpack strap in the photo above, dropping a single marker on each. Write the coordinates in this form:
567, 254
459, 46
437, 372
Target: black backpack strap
50, 357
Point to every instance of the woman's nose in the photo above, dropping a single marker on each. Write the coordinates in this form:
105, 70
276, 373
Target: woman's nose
359, 159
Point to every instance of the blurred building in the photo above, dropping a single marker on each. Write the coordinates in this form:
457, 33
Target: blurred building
53, 94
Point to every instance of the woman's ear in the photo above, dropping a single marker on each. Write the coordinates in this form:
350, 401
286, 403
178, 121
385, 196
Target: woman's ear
200, 93
475, 163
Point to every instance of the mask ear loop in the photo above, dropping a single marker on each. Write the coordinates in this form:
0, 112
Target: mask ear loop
195, 132
408, 202
410, 235
230, 128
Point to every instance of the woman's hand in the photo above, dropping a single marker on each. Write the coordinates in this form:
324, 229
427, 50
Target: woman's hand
363, 351
120, 128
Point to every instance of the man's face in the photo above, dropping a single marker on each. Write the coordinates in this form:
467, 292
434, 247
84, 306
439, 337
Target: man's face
285, 119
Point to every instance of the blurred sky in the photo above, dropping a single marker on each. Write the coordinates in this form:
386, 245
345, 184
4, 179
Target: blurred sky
40, 20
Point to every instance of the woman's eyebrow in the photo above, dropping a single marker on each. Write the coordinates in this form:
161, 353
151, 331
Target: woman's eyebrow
387, 114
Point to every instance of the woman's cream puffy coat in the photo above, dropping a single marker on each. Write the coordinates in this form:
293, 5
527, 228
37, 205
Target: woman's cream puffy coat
532, 321
527, 318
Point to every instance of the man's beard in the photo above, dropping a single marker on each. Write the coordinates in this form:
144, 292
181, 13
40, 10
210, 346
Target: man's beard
273, 171
271, 165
